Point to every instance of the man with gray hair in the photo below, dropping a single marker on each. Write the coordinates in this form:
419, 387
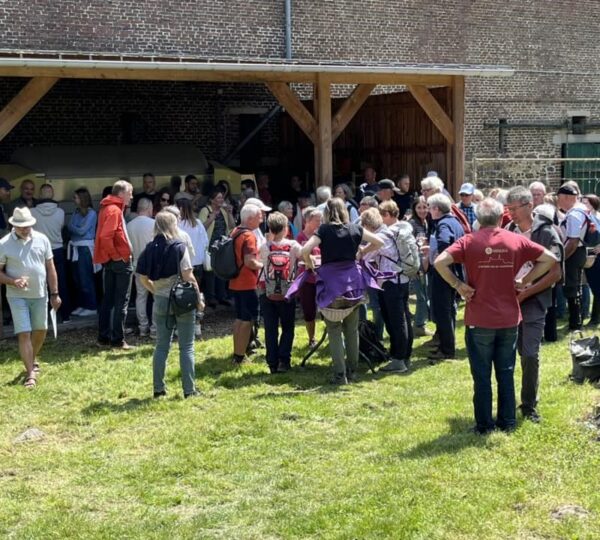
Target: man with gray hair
493, 258
537, 298
538, 192
323, 195
432, 185
113, 251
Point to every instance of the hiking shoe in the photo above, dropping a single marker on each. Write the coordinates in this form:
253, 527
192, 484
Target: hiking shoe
193, 394
283, 367
395, 366
339, 379
161, 393
420, 331
439, 355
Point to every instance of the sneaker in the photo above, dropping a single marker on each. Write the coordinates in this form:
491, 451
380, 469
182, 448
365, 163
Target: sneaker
283, 367
420, 331
339, 379
162, 393
439, 355
86, 313
433, 342
152, 332
197, 330
351, 376
124, 346
77, 312
193, 394
395, 366
144, 331
127, 331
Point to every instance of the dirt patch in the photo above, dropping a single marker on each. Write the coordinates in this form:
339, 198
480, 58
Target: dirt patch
566, 511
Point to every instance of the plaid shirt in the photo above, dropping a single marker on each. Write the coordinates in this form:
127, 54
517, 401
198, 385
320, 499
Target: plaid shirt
469, 212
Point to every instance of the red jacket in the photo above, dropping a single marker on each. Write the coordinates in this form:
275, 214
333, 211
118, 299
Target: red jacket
111, 240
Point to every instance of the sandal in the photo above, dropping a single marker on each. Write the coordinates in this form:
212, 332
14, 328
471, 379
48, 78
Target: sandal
30, 382
36, 367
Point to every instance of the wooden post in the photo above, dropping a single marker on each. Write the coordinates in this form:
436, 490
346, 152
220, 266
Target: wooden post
458, 117
23, 102
449, 147
317, 157
324, 132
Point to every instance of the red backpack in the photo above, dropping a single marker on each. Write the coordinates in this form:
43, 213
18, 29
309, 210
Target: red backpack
278, 272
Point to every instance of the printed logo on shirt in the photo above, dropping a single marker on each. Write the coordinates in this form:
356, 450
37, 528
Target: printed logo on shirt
496, 259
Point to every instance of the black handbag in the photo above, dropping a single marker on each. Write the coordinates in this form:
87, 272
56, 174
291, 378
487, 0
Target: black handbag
183, 297
585, 353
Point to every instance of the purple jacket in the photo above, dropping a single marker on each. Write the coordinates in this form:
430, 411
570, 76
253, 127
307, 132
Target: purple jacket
349, 279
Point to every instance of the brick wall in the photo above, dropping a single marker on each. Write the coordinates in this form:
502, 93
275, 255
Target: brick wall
555, 46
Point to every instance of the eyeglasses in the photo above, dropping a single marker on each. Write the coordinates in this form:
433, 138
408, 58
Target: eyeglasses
426, 190
515, 208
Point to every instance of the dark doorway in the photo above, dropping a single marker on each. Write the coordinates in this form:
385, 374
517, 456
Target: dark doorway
250, 155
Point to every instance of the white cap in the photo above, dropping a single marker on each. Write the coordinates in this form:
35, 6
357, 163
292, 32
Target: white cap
257, 202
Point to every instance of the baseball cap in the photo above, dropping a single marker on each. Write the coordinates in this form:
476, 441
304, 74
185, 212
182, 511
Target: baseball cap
5, 184
567, 190
257, 202
466, 189
386, 183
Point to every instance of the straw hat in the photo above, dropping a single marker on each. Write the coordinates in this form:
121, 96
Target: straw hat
22, 218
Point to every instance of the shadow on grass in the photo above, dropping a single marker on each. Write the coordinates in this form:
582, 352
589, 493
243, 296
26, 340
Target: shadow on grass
459, 437
112, 407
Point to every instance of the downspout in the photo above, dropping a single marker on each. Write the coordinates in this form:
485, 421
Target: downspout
288, 29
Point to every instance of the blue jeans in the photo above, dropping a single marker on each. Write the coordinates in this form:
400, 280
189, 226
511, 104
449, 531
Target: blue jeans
393, 300
497, 347
422, 308
83, 275
165, 323
117, 286
279, 347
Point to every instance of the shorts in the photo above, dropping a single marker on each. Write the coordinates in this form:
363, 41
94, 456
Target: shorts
29, 314
246, 305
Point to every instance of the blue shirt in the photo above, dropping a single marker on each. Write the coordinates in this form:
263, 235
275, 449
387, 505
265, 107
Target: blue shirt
83, 227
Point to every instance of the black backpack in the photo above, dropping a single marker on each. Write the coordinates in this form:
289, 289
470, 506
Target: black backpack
222, 256
371, 350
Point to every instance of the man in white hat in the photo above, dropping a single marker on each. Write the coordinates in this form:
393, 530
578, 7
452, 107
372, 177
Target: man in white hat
26, 265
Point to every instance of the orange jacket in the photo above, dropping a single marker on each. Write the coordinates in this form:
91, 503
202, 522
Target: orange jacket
111, 240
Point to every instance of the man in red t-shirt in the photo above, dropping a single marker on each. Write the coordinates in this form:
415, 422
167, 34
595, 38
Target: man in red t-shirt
492, 258
243, 287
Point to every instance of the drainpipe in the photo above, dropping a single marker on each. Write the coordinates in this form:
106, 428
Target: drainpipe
288, 29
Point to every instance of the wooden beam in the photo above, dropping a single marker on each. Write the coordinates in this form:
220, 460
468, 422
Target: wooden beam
325, 153
434, 110
349, 108
222, 76
458, 116
23, 102
317, 157
294, 107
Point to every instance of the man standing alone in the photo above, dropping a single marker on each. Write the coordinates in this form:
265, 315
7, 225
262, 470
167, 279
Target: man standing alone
113, 251
492, 257
25, 267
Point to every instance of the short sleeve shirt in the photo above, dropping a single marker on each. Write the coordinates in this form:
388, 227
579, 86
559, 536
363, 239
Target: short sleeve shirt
492, 259
245, 244
26, 258
339, 242
574, 222
163, 286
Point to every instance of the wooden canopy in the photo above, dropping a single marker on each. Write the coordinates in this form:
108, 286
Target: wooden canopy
45, 69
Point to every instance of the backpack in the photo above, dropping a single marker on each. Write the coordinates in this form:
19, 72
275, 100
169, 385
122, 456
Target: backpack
370, 348
409, 259
278, 272
591, 238
222, 256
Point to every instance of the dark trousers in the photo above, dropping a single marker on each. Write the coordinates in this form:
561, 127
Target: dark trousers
572, 287
443, 307
63, 290
117, 287
393, 300
215, 289
493, 347
529, 341
275, 315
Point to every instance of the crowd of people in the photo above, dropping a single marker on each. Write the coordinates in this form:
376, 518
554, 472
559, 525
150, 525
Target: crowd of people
518, 258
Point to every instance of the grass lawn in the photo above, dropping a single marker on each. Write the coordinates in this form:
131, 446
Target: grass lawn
284, 456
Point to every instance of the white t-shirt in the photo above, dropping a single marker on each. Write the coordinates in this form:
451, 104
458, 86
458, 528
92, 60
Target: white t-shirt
198, 238
140, 231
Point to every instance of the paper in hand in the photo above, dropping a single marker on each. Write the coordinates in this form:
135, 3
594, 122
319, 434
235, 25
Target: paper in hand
53, 319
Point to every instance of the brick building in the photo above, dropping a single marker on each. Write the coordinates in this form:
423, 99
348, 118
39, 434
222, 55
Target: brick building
553, 46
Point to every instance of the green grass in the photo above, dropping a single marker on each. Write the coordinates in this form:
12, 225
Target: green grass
284, 456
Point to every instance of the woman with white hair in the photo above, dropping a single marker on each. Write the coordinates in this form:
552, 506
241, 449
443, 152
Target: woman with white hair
446, 230
287, 209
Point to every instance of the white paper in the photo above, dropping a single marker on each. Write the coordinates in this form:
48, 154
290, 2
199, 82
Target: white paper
53, 319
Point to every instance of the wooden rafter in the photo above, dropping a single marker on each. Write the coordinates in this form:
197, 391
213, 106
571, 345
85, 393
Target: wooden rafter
434, 110
23, 102
349, 108
294, 107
